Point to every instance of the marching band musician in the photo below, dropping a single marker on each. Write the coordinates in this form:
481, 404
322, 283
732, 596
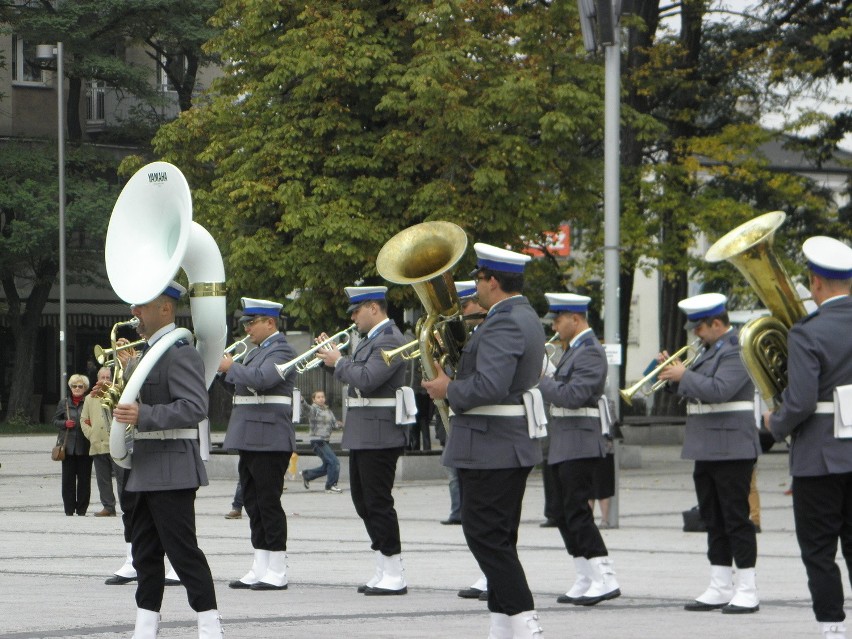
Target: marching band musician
722, 439
489, 440
818, 394
261, 431
370, 432
577, 446
167, 471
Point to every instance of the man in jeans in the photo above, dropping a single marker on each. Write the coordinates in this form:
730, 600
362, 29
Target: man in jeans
322, 422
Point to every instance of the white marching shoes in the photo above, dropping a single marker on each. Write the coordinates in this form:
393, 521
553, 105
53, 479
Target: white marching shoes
833, 630
377, 575
718, 593
147, 624
275, 577
258, 569
210, 625
501, 627
525, 625
582, 583
393, 578
745, 598
604, 585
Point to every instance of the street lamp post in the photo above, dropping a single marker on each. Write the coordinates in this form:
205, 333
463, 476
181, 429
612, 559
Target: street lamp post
47, 52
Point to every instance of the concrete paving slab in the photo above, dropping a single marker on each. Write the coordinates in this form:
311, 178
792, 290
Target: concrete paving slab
52, 567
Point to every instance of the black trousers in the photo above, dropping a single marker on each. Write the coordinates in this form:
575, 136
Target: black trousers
574, 486
371, 475
822, 509
262, 480
722, 488
76, 483
491, 514
127, 500
163, 523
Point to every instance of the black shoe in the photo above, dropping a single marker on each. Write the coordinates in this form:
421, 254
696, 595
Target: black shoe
452, 522
362, 588
260, 585
236, 584
566, 599
305, 482
731, 609
118, 580
700, 606
547, 523
593, 601
381, 592
483, 596
470, 593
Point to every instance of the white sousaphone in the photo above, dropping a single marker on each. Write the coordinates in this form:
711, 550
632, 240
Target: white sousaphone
150, 237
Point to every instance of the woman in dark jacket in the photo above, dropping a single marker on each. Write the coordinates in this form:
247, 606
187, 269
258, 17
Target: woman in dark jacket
77, 465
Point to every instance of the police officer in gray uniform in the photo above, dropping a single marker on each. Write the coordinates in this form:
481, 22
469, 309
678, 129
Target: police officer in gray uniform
819, 363
370, 431
722, 439
167, 471
261, 430
489, 440
577, 447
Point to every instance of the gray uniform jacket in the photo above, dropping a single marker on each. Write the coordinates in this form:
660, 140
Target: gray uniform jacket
719, 376
578, 382
262, 427
368, 376
174, 395
501, 360
819, 359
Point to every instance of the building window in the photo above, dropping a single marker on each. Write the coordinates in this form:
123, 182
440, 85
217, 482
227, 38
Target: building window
24, 69
95, 110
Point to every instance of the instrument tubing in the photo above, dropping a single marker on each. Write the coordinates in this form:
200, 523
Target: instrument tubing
240, 400
723, 407
174, 433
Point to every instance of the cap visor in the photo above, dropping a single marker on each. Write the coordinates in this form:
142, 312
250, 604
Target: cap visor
549, 316
690, 325
353, 307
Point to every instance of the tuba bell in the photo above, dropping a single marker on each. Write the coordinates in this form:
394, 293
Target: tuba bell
764, 339
151, 229
423, 256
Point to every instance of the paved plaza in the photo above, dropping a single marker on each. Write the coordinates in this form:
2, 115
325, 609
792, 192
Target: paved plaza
52, 567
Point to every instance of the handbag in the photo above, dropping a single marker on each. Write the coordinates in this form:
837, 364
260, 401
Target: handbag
57, 453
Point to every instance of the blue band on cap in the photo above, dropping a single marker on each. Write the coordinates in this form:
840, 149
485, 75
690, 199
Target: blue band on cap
710, 312
500, 266
363, 297
171, 291
569, 308
468, 292
261, 310
829, 273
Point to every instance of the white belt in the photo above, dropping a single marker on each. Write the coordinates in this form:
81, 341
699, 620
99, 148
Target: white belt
724, 407
824, 408
173, 433
261, 399
503, 410
556, 411
370, 402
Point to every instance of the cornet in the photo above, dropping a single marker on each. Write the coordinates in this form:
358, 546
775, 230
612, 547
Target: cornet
110, 392
406, 351
308, 360
688, 353
242, 344
103, 355
551, 345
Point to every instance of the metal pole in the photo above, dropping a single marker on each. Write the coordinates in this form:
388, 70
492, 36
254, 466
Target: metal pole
60, 109
612, 236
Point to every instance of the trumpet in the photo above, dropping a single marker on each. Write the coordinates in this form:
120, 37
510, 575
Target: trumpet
110, 392
551, 345
103, 355
308, 360
242, 344
687, 354
406, 351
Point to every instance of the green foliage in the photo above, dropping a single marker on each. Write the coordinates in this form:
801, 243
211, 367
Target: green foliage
349, 121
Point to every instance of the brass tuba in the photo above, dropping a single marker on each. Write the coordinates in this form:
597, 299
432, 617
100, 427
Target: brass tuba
423, 256
764, 339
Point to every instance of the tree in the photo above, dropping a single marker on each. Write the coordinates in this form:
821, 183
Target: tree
29, 228
336, 124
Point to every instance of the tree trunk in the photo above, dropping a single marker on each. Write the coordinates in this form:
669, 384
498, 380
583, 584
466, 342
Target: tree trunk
72, 110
